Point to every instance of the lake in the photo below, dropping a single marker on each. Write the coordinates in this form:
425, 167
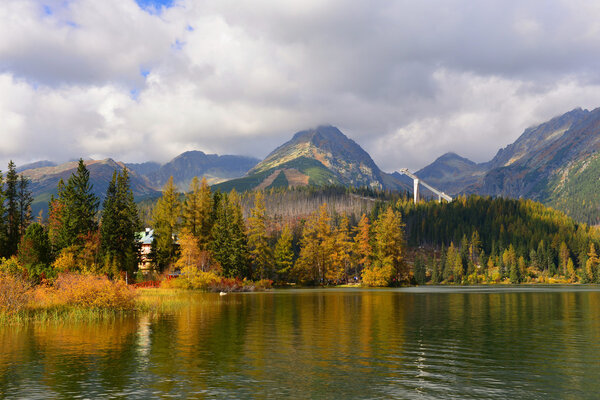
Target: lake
431, 342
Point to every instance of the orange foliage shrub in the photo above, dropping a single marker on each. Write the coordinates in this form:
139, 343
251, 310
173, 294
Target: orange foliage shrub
91, 291
14, 293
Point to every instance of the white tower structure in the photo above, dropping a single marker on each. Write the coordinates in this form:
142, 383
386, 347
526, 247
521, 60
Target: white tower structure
441, 195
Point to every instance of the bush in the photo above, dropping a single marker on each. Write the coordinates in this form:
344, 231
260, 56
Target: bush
11, 266
194, 279
92, 291
14, 293
377, 275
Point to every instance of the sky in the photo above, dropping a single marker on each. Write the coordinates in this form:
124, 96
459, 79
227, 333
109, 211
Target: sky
407, 80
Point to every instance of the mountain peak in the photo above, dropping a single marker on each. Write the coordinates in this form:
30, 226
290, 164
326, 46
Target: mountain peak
317, 156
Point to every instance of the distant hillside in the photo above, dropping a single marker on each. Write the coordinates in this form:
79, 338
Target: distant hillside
451, 173
555, 163
322, 156
37, 164
44, 181
187, 165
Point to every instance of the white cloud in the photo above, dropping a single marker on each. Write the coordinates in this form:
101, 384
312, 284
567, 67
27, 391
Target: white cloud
407, 80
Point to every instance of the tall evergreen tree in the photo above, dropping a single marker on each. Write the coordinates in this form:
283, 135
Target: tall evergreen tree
342, 245
284, 253
229, 245
35, 252
3, 225
258, 245
362, 249
24, 199
196, 214
120, 222
166, 224
389, 239
73, 212
419, 271
13, 217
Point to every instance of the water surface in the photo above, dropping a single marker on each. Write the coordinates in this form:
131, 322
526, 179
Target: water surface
432, 342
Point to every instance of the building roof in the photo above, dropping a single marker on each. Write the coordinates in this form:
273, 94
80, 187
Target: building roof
146, 237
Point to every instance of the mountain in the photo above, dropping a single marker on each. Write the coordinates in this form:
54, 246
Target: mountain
451, 173
145, 168
187, 165
322, 156
37, 164
44, 181
556, 162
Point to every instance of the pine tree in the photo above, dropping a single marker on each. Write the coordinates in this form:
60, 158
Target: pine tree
197, 207
229, 245
120, 222
591, 265
24, 199
260, 252
571, 270
317, 248
284, 254
389, 244
13, 217
35, 252
362, 250
342, 252
326, 244
419, 272
3, 225
73, 212
165, 218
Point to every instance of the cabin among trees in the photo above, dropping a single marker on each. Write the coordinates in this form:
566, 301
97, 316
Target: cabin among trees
145, 264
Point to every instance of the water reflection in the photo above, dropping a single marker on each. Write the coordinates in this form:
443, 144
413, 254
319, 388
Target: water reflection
432, 343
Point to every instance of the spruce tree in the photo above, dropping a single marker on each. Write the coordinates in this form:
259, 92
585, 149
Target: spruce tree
13, 217
24, 199
229, 245
120, 222
35, 252
419, 272
3, 224
74, 211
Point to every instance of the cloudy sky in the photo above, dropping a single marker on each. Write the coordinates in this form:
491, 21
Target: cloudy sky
408, 80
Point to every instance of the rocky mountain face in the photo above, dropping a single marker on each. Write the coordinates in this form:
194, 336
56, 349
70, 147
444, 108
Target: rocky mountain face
187, 165
556, 163
321, 156
451, 173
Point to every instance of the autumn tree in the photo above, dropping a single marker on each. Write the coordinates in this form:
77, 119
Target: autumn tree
362, 250
34, 252
317, 248
591, 266
284, 253
389, 242
166, 224
258, 245
196, 213
342, 257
